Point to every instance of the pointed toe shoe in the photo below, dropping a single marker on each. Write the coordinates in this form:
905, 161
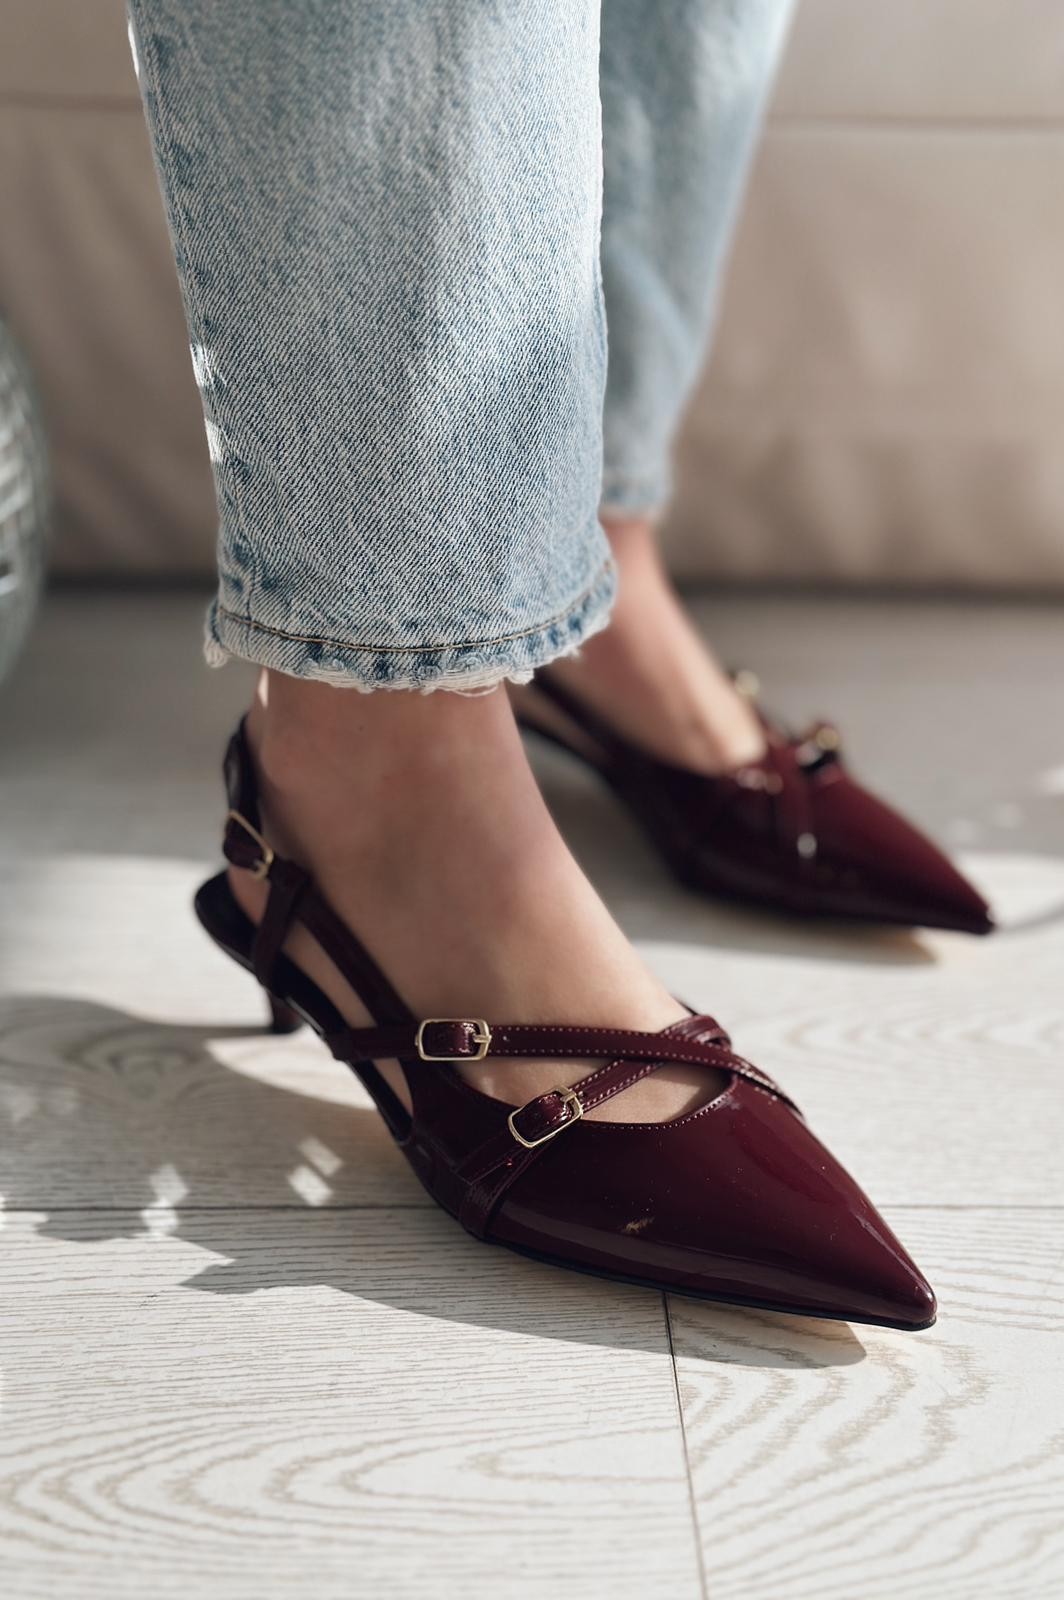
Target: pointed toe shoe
793, 831
734, 1201
737, 1201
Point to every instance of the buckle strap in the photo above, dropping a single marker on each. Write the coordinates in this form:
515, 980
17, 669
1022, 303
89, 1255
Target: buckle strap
472, 1036
494, 1166
819, 745
793, 803
458, 1039
244, 846
491, 1170
698, 1041
785, 772
571, 1110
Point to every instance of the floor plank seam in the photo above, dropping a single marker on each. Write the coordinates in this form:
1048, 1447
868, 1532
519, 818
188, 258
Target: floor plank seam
973, 1205
24, 1210
691, 1496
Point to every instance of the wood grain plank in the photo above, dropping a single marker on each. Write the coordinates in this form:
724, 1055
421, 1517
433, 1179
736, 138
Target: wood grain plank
99, 1107
249, 1404
203, 1397
830, 1462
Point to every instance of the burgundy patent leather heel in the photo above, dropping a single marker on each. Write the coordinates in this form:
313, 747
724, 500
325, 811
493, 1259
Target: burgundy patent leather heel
282, 1018
792, 832
734, 1201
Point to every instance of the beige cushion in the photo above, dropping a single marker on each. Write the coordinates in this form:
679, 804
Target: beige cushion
87, 279
887, 392
925, 61
886, 399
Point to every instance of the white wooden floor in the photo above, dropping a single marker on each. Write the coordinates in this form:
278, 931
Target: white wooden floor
242, 1357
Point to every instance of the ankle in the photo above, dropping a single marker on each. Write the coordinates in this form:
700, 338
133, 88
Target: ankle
309, 738
651, 675
395, 786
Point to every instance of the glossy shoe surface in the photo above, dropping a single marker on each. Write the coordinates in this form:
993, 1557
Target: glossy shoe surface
793, 831
738, 1201
735, 1201
754, 1210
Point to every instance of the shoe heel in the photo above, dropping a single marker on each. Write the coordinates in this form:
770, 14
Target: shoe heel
282, 1018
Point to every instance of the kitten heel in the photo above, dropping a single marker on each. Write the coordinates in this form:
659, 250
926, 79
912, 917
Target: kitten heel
282, 1018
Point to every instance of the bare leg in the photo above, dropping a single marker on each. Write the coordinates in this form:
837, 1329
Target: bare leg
684, 88
650, 674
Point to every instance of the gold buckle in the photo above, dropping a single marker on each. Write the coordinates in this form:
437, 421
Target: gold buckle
261, 868
481, 1038
569, 1098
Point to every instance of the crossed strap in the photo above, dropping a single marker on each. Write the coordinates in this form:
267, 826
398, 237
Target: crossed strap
702, 1042
488, 1172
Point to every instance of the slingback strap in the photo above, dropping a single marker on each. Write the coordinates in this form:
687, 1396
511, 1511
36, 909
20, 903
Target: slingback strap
245, 847
488, 1173
288, 884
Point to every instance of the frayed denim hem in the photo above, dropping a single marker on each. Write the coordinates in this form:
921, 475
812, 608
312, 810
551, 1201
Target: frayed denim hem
626, 496
469, 667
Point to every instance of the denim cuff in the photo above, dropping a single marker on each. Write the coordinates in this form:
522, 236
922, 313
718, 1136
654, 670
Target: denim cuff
467, 666
633, 494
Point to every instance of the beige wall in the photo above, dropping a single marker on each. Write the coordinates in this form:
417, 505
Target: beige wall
886, 398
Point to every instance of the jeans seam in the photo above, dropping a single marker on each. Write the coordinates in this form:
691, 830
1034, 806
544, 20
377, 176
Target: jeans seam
173, 203
420, 649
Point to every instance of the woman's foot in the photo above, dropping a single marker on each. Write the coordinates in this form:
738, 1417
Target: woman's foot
417, 815
651, 676
754, 813
421, 822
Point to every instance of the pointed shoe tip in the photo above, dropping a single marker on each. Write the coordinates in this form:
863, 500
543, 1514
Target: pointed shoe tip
958, 913
912, 1308
973, 913
978, 924
951, 919
940, 895
889, 1287
966, 908
917, 1318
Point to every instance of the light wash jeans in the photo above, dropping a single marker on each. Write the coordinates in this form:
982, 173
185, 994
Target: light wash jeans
387, 223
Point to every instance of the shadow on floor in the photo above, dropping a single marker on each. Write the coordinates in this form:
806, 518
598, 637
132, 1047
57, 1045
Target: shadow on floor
117, 1127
